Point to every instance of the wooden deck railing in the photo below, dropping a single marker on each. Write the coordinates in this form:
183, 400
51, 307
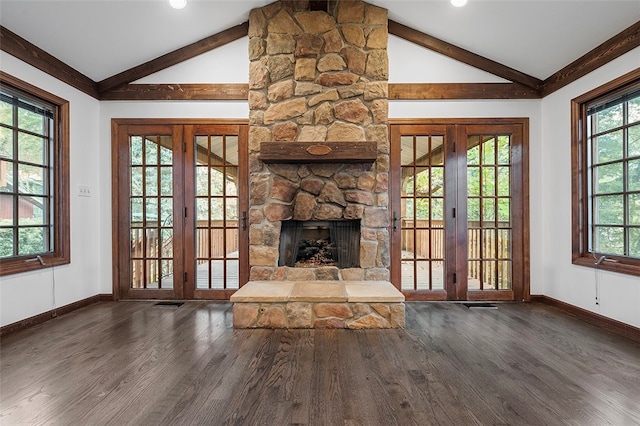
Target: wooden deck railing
210, 244
483, 243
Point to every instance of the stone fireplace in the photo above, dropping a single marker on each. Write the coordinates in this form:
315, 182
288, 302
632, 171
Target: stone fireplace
318, 136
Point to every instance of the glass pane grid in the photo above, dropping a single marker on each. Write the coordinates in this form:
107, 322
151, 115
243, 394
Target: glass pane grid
151, 213
26, 177
489, 212
614, 138
422, 201
217, 211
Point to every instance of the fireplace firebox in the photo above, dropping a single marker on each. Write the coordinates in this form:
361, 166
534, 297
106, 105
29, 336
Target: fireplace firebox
316, 243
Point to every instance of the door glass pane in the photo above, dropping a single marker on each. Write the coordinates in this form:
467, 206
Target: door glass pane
217, 265
489, 213
422, 212
151, 212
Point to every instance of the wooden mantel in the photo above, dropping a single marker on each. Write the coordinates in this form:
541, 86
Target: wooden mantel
318, 152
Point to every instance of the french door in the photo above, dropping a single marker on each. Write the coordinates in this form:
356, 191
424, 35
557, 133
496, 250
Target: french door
180, 208
459, 215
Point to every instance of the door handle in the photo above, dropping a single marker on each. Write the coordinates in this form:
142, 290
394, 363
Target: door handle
395, 221
244, 221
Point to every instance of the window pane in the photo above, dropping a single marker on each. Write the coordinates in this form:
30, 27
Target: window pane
473, 209
232, 208
488, 209
6, 113
488, 181
31, 121
473, 181
609, 210
31, 211
633, 175
608, 118
202, 207
136, 150
504, 213
151, 210
202, 180
136, 181
233, 273
216, 182
166, 211
608, 178
31, 241
31, 179
409, 185
6, 242
406, 149
473, 150
633, 110
166, 181
634, 242
610, 240
6, 143
232, 150
151, 152
6, 176
6, 209
166, 152
437, 181
216, 154
217, 212
634, 209
504, 181
489, 151
136, 210
31, 148
609, 147
232, 176
437, 209
151, 181
504, 150
634, 141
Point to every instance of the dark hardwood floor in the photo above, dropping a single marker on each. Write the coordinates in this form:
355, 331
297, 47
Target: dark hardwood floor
138, 363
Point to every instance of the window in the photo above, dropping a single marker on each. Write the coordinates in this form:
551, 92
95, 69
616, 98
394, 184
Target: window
34, 170
606, 171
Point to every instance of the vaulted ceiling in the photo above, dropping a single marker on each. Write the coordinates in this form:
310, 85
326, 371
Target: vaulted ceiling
535, 38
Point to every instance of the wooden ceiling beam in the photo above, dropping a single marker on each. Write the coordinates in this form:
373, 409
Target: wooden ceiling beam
16, 46
178, 92
240, 92
173, 58
432, 91
462, 55
616, 46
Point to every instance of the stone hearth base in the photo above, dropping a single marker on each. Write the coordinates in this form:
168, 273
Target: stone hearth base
318, 304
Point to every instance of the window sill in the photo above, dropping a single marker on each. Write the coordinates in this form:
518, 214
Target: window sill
30, 263
611, 264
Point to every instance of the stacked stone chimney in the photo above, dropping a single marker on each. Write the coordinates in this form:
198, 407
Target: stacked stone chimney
318, 76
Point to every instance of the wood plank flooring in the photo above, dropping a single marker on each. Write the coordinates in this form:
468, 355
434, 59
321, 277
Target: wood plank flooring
136, 363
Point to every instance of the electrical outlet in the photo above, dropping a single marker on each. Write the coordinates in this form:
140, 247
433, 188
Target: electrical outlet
84, 191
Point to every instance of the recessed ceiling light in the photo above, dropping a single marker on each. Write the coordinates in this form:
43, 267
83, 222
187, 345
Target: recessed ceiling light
458, 3
179, 4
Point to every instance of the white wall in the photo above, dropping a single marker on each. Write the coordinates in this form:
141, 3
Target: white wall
619, 294
28, 294
552, 274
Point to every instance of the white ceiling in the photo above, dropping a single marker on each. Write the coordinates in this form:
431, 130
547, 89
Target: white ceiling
101, 38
